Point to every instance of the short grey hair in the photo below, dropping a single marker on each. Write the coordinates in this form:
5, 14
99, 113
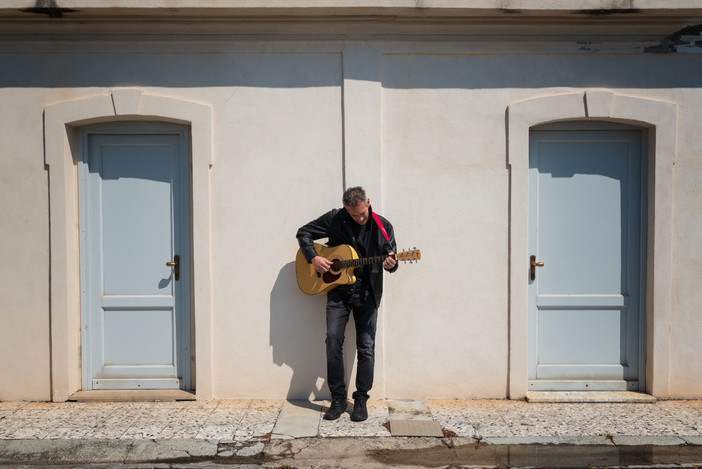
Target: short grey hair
354, 196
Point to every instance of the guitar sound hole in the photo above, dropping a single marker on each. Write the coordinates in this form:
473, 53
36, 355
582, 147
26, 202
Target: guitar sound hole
334, 272
335, 267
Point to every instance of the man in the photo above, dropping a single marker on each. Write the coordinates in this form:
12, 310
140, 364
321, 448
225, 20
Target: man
370, 235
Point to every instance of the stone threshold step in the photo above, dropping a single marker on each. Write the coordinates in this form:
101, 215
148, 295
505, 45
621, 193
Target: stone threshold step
588, 397
143, 395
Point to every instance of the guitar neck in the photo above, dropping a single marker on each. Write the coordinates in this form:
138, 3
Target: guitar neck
363, 261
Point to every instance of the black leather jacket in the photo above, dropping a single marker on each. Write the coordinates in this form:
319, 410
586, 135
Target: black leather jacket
335, 225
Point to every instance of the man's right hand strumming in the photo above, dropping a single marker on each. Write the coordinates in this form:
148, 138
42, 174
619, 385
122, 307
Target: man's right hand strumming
321, 264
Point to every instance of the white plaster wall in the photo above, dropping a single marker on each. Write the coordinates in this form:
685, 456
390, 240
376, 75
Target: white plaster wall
278, 165
447, 190
290, 127
686, 332
24, 250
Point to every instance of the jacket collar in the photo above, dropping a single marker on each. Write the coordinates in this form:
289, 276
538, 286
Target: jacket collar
348, 220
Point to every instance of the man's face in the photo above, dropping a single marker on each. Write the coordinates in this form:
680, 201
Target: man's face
359, 212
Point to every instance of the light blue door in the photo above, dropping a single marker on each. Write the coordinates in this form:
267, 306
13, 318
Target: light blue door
134, 227
586, 228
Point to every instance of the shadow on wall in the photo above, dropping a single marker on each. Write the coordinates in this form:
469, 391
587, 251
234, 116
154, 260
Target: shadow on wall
295, 70
297, 335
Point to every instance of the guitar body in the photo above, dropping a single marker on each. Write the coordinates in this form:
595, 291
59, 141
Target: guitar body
313, 283
344, 261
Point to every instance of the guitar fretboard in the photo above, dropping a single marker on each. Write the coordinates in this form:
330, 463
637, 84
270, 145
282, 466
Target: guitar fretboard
363, 261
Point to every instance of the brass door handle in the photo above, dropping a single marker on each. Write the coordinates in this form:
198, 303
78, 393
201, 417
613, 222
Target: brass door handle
532, 267
176, 266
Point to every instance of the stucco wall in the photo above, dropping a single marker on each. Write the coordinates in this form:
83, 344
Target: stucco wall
421, 123
24, 279
685, 364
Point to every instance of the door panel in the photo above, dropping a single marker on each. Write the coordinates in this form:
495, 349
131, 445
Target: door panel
150, 343
580, 216
134, 220
564, 334
135, 193
585, 225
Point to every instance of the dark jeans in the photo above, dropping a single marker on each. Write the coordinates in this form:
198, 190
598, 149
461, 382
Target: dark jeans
340, 303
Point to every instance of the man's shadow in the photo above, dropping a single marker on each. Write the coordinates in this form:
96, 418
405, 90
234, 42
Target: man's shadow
297, 335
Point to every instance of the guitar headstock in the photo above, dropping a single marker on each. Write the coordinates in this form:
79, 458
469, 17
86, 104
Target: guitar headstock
411, 256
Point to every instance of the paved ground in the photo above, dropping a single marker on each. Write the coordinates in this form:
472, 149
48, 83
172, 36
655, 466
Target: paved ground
254, 433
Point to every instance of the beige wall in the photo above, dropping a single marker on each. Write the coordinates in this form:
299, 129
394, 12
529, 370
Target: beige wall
421, 121
685, 365
24, 250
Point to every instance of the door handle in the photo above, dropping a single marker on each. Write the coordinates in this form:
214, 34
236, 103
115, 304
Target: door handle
176, 266
533, 266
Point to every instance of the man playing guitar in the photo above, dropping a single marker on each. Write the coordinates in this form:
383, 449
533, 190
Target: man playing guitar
351, 225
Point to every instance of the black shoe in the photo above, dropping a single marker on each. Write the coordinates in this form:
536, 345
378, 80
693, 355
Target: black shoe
338, 407
360, 413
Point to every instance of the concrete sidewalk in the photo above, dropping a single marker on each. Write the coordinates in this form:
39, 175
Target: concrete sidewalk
255, 433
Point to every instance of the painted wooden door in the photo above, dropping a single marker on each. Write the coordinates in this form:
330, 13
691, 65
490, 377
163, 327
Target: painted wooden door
586, 228
134, 222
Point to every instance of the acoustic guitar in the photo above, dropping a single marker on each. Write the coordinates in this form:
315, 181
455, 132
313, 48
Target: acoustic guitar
344, 260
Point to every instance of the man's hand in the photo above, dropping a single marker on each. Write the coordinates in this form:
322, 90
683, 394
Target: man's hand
321, 264
389, 262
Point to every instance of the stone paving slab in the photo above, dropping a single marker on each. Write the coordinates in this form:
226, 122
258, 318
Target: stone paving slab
228, 420
409, 409
503, 418
486, 433
297, 419
255, 420
399, 427
412, 418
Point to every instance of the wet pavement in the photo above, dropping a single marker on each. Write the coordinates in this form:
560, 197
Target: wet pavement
269, 433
